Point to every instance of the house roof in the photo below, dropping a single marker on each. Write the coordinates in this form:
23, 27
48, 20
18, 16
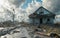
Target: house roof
38, 16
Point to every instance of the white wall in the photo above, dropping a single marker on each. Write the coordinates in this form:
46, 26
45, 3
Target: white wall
57, 19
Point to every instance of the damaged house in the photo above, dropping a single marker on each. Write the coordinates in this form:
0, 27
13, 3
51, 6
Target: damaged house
42, 16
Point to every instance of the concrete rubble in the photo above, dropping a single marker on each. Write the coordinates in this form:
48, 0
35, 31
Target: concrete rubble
22, 32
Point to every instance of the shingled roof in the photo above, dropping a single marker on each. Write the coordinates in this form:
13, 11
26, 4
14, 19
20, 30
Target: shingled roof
38, 16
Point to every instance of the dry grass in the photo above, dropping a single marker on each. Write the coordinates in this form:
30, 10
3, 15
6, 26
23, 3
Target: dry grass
49, 28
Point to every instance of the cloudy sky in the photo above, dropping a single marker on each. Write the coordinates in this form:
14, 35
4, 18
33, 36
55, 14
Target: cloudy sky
25, 7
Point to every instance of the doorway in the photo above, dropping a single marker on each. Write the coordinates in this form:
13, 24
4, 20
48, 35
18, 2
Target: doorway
41, 20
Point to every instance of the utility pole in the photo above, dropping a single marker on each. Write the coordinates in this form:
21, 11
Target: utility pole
13, 18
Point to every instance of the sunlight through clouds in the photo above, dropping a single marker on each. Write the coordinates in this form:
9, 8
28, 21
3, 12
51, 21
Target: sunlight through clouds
7, 6
33, 6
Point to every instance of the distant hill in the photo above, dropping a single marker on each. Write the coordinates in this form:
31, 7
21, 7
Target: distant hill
8, 23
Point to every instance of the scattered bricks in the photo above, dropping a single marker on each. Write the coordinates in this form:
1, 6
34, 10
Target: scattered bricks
23, 37
37, 37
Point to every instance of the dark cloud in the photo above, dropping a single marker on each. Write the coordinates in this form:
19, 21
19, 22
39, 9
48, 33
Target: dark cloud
17, 3
52, 5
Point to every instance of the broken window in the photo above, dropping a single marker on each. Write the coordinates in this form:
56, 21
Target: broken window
48, 19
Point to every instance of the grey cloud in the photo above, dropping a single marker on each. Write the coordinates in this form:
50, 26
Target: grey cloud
17, 3
52, 5
8, 10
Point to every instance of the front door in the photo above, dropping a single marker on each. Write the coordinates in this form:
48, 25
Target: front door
41, 21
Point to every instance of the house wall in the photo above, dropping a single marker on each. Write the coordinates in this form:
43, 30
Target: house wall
51, 20
37, 22
30, 20
45, 21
